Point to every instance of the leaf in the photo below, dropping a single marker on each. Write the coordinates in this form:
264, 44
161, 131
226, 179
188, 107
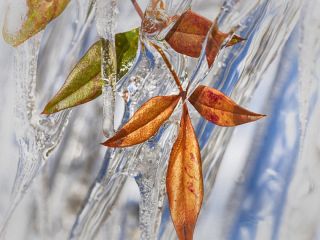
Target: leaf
184, 179
126, 50
217, 108
145, 122
215, 40
84, 82
190, 31
39, 14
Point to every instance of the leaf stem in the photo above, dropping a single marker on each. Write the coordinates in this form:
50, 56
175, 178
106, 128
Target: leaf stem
170, 67
138, 8
163, 55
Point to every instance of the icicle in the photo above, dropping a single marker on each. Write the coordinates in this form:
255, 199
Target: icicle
105, 190
25, 67
150, 176
109, 70
37, 135
106, 23
150, 167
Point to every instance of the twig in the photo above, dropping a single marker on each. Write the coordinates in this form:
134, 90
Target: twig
138, 8
170, 67
163, 55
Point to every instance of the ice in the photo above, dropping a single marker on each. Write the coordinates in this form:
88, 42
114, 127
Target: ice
106, 20
214, 141
258, 185
308, 52
160, 17
304, 184
36, 134
119, 164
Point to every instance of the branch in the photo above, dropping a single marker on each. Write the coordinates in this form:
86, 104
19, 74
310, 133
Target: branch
170, 67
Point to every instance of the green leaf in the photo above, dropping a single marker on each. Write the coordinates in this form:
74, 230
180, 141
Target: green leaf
39, 14
126, 49
84, 83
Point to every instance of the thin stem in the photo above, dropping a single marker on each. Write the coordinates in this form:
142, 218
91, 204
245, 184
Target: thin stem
163, 55
170, 67
138, 8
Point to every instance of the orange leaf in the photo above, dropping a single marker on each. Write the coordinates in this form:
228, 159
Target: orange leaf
145, 122
215, 41
184, 179
188, 34
214, 106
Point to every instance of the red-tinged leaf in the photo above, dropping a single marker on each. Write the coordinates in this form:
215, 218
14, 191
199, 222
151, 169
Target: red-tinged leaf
214, 106
184, 179
188, 34
215, 40
145, 122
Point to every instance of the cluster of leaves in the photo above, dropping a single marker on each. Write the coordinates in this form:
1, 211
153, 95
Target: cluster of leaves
184, 175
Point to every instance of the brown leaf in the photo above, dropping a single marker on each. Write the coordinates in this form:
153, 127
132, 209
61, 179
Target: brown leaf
184, 179
215, 41
145, 122
214, 106
188, 34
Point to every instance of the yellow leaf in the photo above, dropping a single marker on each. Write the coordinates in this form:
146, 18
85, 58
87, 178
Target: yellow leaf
39, 14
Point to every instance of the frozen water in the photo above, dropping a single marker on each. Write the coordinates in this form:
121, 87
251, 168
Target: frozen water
260, 180
106, 19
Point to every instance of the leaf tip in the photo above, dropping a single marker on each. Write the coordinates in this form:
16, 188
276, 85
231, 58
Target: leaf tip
8, 38
236, 39
45, 112
185, 231
254, 117
111, 142
259, 116
106, 143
